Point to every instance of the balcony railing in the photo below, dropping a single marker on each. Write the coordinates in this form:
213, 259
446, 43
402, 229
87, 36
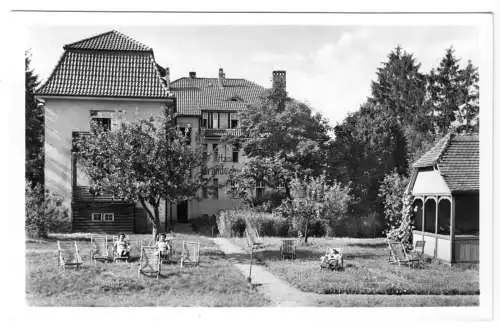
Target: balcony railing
220, 132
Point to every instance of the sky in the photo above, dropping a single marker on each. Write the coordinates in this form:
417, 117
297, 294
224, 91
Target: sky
328, 67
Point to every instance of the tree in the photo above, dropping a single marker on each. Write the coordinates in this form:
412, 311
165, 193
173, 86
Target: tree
280, 128
265, 172
368, 145
314, 200
34, 116
146, 160
468, 112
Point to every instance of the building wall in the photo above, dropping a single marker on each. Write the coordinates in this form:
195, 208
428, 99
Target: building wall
63, 116
210, 206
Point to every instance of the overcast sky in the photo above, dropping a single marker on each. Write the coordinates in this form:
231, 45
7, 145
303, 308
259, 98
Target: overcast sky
329, 67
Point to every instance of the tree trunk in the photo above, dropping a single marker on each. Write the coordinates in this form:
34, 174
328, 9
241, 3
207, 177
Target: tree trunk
306, 233
156, 222
154, 218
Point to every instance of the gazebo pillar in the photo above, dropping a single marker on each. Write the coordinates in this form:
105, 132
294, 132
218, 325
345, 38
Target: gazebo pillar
436, 219
452, 228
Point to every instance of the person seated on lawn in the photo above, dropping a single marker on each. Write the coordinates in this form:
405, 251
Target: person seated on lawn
163, 246
333, 259
122, 247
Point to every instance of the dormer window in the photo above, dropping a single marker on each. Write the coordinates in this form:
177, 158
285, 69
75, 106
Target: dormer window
235, 98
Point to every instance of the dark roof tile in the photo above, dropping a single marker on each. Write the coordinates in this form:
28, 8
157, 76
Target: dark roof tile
108, 65
197, 94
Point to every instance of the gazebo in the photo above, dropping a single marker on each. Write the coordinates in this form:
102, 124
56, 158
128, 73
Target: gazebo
445, 186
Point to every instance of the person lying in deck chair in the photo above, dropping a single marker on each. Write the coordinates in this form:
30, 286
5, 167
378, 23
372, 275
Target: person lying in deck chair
163, 246
122, 247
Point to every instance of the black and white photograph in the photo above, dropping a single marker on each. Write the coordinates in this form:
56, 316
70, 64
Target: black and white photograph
255, 160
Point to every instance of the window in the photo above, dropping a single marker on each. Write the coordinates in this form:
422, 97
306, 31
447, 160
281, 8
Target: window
234, 124
204, 192
96, 217
109, 216
204, 120
215, 120
235, 153
259, 189
105, 122
215, 151
223, 120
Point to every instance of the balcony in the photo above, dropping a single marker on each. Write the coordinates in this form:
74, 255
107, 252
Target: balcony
217, 133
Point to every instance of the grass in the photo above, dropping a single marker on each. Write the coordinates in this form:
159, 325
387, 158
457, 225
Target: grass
214, 283
367, 272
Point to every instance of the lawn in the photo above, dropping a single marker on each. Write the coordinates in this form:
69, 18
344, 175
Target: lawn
368, 274
214, 283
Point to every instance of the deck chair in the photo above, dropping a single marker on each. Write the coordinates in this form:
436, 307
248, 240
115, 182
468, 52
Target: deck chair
68, 255
117, 257
253, 238
398, 254
190, 253
149, 263
418, 251
99, 249
288, 249
165, 257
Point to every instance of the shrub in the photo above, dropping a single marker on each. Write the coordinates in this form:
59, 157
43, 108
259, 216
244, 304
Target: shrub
391, 193
238, 227
233, 223
45, 212
205, 225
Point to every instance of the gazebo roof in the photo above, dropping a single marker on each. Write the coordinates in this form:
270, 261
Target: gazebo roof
457, 159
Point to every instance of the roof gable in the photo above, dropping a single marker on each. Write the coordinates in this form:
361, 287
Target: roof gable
457, 159
110, 41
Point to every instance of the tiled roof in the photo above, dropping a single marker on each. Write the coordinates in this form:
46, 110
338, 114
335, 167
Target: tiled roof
112, 41
108, 65
430, 158
197, 94
457, 159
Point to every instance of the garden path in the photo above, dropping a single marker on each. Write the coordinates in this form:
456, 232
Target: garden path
277, 290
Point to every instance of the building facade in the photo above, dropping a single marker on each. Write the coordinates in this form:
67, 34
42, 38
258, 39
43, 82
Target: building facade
110, 77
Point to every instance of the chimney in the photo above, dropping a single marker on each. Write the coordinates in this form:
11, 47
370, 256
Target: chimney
222, 75
166, 78
279, 80
192, 75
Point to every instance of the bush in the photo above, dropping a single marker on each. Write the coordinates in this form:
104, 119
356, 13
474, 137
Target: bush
45, 212
233, 223
205, 225
238, 227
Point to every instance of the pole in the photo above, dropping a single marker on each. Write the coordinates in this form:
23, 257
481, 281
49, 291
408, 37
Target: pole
249, 279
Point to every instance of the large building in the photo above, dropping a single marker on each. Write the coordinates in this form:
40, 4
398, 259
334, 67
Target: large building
110, 77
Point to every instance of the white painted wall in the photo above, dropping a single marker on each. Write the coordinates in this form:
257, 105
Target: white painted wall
430, 182
62, 117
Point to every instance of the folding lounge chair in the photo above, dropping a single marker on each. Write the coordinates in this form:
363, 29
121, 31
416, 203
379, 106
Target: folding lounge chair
288, 249
397, 254
149, 263
418, 251
117, 257
190, 253
253, 238
68, 255
99, 249
168, 256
